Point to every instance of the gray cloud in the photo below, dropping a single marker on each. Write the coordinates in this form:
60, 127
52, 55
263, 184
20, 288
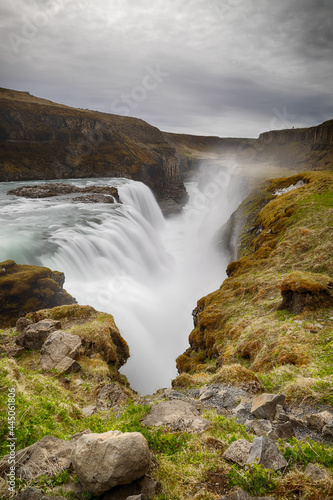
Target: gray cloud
232, 67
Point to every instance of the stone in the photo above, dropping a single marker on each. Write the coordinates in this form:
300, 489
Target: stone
136, 497
281, 431
265, 452
14, 351
59, 345
264, 406
103, 461
34, 494
319, 420
110, 395
280, 414
88, 411
221, 396
34, 336
176, 415
328, 429
241, 495
145, 486
22, 323
259, 427
47, 456
238, 452
316, 473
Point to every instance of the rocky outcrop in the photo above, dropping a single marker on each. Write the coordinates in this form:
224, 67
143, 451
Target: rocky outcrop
102, 461
176, 415
93, 194
59, 352
44, 140
24, 289
321, 134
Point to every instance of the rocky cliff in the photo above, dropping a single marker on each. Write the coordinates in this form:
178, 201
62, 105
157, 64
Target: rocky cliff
44, 140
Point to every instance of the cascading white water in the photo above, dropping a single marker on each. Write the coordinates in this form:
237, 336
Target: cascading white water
127, 260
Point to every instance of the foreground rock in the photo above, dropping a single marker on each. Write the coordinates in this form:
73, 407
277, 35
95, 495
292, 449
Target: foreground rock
265, 452
176, 416
34, 494
34, 335
238, 452
59, 351
103, 461
24, 289
264, 406
47, 457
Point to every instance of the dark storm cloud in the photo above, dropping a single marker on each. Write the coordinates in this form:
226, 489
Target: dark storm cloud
222, 67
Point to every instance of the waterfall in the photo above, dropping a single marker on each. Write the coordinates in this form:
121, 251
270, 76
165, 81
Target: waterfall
127, 260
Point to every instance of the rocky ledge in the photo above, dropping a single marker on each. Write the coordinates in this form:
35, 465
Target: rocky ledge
92, 194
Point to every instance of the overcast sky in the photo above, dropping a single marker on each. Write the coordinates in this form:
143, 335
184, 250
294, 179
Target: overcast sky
209, 67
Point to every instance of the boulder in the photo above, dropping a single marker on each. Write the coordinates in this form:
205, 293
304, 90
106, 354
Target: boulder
319, 420
59, 351
22, 323
265, 452
103, 461
264, 406
47, 456
328, 429
316, 473
110, 395
13, 351
221, 396
145, 486
176, 415
280, 414
259, 427
238, 452
34, 336
284, 430
34, 494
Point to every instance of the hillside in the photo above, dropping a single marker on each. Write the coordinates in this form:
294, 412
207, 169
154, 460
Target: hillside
40, 139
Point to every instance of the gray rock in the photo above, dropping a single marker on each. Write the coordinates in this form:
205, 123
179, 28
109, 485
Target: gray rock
68, 365
145, 486
318, 421
177, 416
259, 427
34, 336
22, 323
238, 452
281, 431
281, 415
14, 351
47, 456
110, 395
221, 396
328, 429
316, 473
58, 346
34, 494
265, 452
264, 406
88, 411
136, 497
103, 461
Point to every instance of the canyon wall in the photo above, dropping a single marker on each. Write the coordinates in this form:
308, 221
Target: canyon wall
40, 139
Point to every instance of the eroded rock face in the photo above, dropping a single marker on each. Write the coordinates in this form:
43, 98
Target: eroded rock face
103, 461
176, 415
93, 194
305, 290
24, 289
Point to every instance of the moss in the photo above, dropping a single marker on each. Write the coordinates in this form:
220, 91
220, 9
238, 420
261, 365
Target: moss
25, 288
